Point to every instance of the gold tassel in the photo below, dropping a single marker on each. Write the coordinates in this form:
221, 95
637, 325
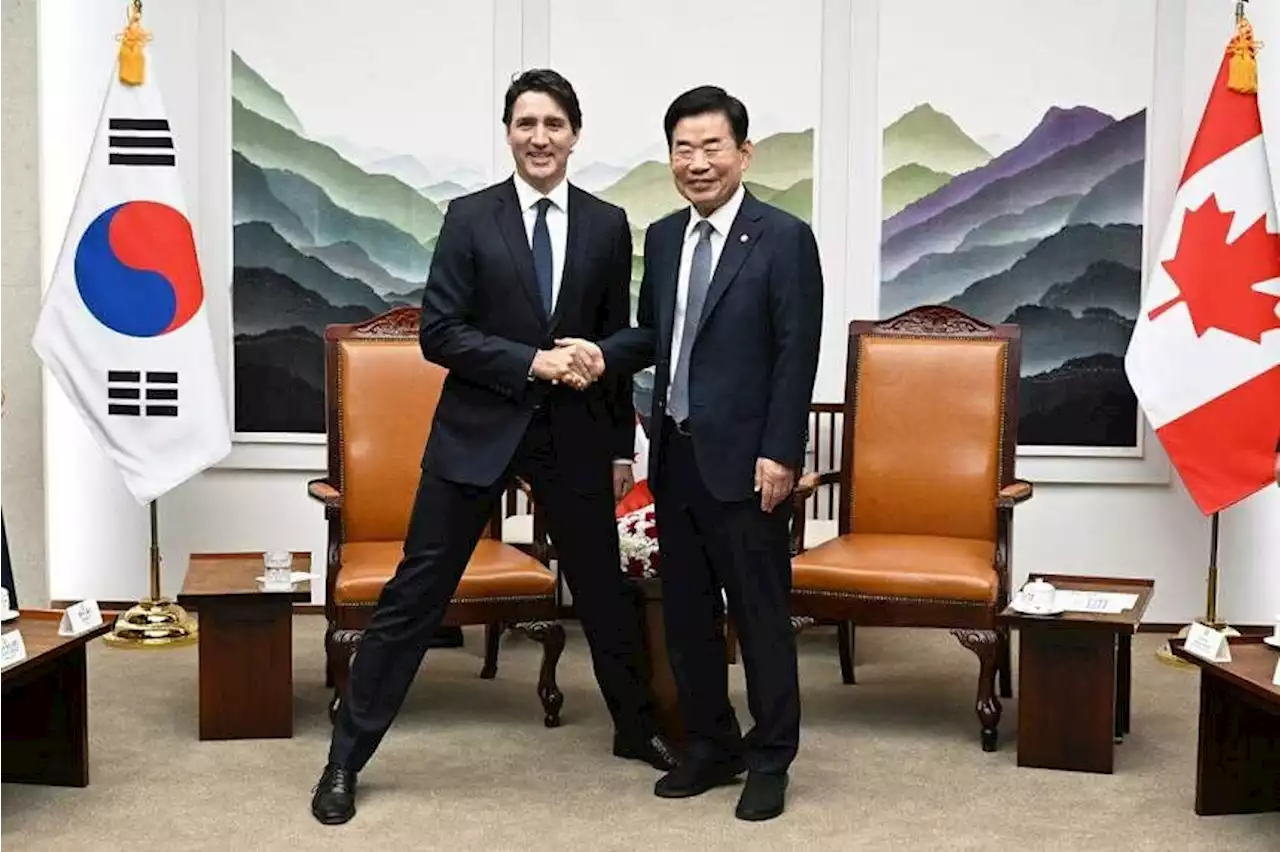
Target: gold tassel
132, 59
1242, 70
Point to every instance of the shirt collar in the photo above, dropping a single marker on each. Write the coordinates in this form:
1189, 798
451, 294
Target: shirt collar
721, 218
529, 196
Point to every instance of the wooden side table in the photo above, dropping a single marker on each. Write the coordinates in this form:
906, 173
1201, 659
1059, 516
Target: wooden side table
1074, 678
246, 645
1238, 754
46, 704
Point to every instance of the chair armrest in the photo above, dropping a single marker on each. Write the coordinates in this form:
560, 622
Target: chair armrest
326, 493
1014, 493
811, 482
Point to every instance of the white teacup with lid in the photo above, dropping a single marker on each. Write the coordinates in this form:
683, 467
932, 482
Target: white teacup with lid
1037, 595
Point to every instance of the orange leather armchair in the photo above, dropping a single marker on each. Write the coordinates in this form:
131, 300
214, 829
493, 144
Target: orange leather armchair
381, 396
927, 490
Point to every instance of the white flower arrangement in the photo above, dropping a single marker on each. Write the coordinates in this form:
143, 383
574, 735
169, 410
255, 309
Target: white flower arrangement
638, 542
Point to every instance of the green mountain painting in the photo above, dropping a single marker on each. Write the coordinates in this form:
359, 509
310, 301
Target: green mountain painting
328, 231
320, 236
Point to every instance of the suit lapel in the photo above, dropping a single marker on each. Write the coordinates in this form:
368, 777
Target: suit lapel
741, 239
511, 226
575, 242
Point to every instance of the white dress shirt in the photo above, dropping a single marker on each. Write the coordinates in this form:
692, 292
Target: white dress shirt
721, 220
557, 223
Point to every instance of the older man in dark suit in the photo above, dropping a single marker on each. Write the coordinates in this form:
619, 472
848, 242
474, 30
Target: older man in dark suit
731, 315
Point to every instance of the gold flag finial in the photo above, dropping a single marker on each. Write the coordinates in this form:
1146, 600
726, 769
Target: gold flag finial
1242, 74
132, 59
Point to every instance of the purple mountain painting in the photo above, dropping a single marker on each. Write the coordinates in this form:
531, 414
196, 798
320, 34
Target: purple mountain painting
1047, 235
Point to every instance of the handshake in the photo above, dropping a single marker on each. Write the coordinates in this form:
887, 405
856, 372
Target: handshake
574, 362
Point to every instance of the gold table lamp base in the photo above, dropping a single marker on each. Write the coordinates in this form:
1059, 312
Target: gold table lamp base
153, 624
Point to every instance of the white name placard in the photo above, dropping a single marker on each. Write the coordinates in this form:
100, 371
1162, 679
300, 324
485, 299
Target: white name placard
12, 650
1208, 644
80, 617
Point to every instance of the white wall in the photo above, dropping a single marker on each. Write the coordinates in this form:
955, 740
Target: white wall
98, 537
23, 473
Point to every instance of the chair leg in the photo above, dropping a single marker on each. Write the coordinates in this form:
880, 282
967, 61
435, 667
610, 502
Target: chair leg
341, 648
492, 637
845, 637
985, 644
551, 635
1006, 664
328, 656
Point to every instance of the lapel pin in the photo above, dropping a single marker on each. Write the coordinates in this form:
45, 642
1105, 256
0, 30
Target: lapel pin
743, 238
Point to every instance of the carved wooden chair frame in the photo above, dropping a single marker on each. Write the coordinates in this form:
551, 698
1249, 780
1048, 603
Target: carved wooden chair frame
535, 616
974, 624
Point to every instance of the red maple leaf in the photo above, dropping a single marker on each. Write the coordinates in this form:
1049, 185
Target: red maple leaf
1216, 278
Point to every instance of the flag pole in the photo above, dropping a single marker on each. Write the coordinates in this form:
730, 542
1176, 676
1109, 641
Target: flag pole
153, 622
1165, 654
1242, 77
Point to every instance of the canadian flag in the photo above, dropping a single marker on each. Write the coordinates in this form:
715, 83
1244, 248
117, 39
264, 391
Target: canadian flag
1204, 358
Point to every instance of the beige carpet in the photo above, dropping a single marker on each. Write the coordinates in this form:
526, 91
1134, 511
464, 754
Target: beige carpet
892, 763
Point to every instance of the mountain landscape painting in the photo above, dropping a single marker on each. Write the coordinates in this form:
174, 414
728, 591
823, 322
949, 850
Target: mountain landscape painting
1026, 206
622, 154
333, 221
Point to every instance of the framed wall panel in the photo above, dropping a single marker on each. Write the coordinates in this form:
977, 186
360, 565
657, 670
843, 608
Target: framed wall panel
351, 130
1013, 187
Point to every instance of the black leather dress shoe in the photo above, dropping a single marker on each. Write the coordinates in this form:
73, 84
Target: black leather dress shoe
763, 796
654, 751
690, 779
334, 801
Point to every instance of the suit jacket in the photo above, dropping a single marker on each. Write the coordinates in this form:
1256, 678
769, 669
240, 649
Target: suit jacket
755, 354
483, 320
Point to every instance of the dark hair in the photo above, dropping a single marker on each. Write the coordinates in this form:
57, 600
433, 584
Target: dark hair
549, 83
706, 99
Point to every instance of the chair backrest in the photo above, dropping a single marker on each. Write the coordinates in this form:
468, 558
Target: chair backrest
930, 426
381, 396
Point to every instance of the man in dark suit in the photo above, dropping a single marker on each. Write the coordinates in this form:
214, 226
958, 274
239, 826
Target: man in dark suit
731, 314
516, 265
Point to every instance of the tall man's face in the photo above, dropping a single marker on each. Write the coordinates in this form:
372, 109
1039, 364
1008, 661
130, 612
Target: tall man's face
706, 160
541, 139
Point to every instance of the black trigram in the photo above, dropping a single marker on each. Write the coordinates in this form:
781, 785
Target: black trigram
130, 396
139, 142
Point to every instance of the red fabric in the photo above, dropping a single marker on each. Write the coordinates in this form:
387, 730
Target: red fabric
637, 498
1230, 120
1194, 443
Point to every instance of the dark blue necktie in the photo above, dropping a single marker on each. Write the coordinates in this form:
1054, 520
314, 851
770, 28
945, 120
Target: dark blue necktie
542, 253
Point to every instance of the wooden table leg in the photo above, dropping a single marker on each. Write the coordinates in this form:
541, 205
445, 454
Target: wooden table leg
662, 682
1067, 699
46, 726
246, 669
1124, 683
1238, 758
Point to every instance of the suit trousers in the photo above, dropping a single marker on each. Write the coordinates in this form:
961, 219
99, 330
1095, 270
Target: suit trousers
445, 526
707, 546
